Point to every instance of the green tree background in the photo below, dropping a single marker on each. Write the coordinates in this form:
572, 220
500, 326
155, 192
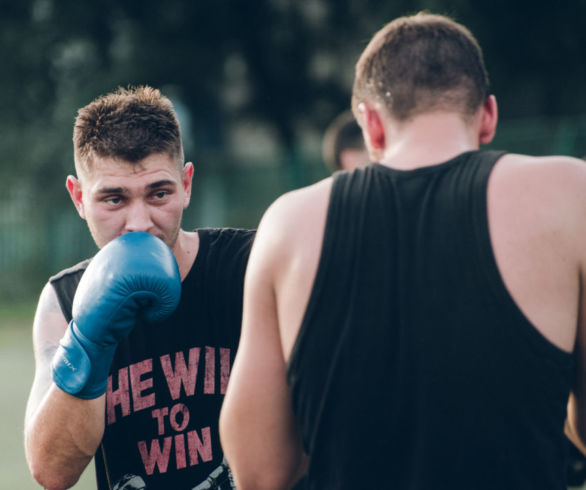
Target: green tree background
255, 82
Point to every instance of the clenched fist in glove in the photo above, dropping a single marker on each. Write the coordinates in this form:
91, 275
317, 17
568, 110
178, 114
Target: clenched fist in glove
133, 276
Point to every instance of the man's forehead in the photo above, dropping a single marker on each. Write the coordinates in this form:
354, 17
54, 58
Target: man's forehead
159, 159
96, 163
118, 174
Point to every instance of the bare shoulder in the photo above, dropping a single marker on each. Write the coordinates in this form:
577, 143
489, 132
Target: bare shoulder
540, 196
48, 328
549, 179
298, 211
290, 231
555, 166
49, 324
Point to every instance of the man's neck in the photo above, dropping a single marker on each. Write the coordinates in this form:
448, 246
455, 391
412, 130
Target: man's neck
185, 251
428, 139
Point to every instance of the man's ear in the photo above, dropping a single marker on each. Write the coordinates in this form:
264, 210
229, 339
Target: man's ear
373, 130
373, 126
187, 182
74, 188
488, 121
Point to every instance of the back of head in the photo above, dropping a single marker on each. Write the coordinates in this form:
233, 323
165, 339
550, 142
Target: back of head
127, 125
422, 63
343, 133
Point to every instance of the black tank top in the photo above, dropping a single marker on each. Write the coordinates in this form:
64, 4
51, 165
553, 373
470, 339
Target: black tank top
413, 367
167, 380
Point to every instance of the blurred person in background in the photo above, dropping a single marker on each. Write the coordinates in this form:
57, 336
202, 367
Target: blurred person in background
343, 146
417, 323
143, 398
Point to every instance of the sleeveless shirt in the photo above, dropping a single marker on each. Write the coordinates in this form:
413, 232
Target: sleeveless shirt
413, 367
167, 380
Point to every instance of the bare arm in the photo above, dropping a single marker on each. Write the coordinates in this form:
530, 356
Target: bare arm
257, 426
62, 432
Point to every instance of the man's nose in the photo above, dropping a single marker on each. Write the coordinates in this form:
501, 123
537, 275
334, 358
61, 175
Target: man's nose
138, 217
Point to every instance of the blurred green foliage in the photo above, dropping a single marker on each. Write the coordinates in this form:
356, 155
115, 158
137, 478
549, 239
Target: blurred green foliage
255, 83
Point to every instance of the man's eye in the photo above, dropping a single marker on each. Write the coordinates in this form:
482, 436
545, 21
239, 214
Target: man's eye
113, 200
160, 194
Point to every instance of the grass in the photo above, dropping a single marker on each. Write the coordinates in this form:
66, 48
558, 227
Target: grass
16, 374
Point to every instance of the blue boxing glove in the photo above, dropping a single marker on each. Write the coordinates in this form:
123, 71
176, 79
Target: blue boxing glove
133, 276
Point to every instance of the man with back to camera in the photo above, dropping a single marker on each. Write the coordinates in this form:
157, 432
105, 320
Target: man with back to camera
135, 379
411, 324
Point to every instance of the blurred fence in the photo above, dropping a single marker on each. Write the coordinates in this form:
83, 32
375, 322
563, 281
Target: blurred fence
39, 239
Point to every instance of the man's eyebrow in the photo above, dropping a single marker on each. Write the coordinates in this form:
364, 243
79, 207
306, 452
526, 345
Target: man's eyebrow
123, 190
112, 190
162, 183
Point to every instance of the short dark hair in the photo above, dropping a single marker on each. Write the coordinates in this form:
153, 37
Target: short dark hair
343, 133
421, 63
128, 124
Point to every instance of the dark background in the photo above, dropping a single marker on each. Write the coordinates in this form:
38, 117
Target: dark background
255, 84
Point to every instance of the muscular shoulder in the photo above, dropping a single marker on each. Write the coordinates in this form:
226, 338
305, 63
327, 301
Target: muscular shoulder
56, 300
540, 180
49, 324
291, 231
540, 195
547, 171
297, 212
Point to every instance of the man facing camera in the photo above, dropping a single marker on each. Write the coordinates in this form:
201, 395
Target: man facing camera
134, 347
